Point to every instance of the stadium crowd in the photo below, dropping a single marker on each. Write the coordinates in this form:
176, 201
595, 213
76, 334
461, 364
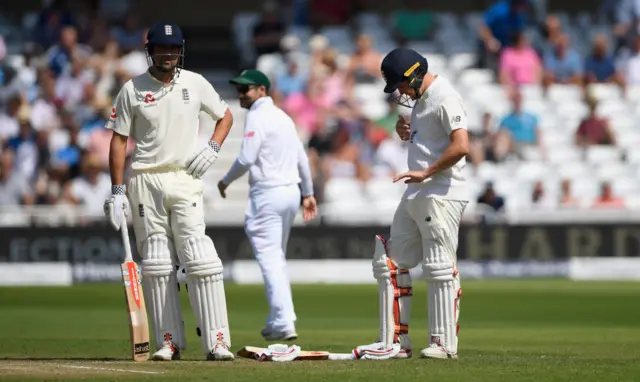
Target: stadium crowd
56, 94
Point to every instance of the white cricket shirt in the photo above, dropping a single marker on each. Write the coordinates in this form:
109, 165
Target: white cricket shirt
163, 119
271, 150
435, 116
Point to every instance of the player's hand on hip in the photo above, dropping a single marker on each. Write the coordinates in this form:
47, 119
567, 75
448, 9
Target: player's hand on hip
223, 189
415, 176
403, 128
201, 162
309, 208
116, 207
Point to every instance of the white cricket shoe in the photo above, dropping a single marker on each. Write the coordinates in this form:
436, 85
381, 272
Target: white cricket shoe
220, 352
271, 335
168, 352
437, 351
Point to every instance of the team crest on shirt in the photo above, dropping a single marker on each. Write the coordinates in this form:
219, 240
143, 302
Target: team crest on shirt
185, 95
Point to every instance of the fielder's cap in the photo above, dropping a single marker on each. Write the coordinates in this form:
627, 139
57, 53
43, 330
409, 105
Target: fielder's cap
252, 77
165, 33
400, 64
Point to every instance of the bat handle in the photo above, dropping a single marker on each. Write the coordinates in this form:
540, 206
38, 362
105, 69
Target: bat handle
124, 231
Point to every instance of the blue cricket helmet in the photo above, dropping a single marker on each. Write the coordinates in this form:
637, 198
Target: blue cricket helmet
167, 34
403, 64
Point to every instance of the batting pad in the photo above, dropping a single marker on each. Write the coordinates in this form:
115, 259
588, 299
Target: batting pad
443, 303
206, 291
162, 297
395, 292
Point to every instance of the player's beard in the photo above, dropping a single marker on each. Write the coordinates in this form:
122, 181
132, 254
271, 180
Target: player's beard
246, 101
165, 63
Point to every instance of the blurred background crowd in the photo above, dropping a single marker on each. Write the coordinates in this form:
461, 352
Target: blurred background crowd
552, 98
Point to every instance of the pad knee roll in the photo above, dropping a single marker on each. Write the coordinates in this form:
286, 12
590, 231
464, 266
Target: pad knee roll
204, 272
161, 293
395, 292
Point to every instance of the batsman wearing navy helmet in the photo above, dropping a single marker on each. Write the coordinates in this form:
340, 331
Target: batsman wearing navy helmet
160, 111
425, 226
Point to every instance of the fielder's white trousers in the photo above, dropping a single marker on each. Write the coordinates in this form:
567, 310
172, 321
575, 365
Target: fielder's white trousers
268, 219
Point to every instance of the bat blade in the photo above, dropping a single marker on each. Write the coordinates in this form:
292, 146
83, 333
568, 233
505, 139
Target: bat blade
253, 352
138, 322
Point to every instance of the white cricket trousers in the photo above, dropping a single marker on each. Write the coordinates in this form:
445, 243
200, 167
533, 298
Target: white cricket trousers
166, 202
268, 219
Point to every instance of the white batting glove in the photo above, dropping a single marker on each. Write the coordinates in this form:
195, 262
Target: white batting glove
116, 206
199, 165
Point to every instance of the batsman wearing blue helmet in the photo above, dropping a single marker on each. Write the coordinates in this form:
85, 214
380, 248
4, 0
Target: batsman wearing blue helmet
426, 223
160, 111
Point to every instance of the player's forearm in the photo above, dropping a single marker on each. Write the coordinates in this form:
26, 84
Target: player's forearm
451, 156
117, 156
236, 171
223, 126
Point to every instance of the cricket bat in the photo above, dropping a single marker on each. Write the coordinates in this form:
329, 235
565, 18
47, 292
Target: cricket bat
138, 323
254, 352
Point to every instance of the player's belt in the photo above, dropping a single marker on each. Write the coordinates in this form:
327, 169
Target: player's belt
159, 169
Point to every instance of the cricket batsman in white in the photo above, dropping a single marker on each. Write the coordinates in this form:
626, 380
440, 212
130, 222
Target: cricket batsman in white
426, 223
275, 158
160, 110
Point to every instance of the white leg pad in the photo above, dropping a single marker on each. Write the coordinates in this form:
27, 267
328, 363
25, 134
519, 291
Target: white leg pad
161, 292
395, 292
443, 304
206, 291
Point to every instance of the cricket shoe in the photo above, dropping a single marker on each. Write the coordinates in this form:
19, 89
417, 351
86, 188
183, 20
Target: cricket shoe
437, 351
272, 335
168, 352
220, 352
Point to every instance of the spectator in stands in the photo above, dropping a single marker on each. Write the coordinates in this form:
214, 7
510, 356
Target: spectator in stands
520, 63
10, 84
382, 155
626, 14
501, 21
364, 64
594, 130
100, 34
599, 66
70, 85
291, 82
9, 125
25, 150
60, 57
551, 32
607, 199
27, 72
388, 122
50, 24
133, 62
490, 198
318, 44
44, 113
91, 187
566, 196
330, 12
629, 63
517, 130
130, 34
539, 198
14, 187
335, 84
563, 65
343, 159
268, 31
482, 143
412, 22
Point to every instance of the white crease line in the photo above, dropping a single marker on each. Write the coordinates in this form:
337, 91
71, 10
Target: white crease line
110, 369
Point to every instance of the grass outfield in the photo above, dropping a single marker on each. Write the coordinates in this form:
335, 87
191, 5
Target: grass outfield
510, 331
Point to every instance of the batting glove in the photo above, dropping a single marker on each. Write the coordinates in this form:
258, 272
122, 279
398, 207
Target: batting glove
116, 206
199, 165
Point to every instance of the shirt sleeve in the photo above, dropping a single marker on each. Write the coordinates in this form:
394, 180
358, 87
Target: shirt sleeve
121, 116
453, 116
306, 183
251, 143
211, 102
